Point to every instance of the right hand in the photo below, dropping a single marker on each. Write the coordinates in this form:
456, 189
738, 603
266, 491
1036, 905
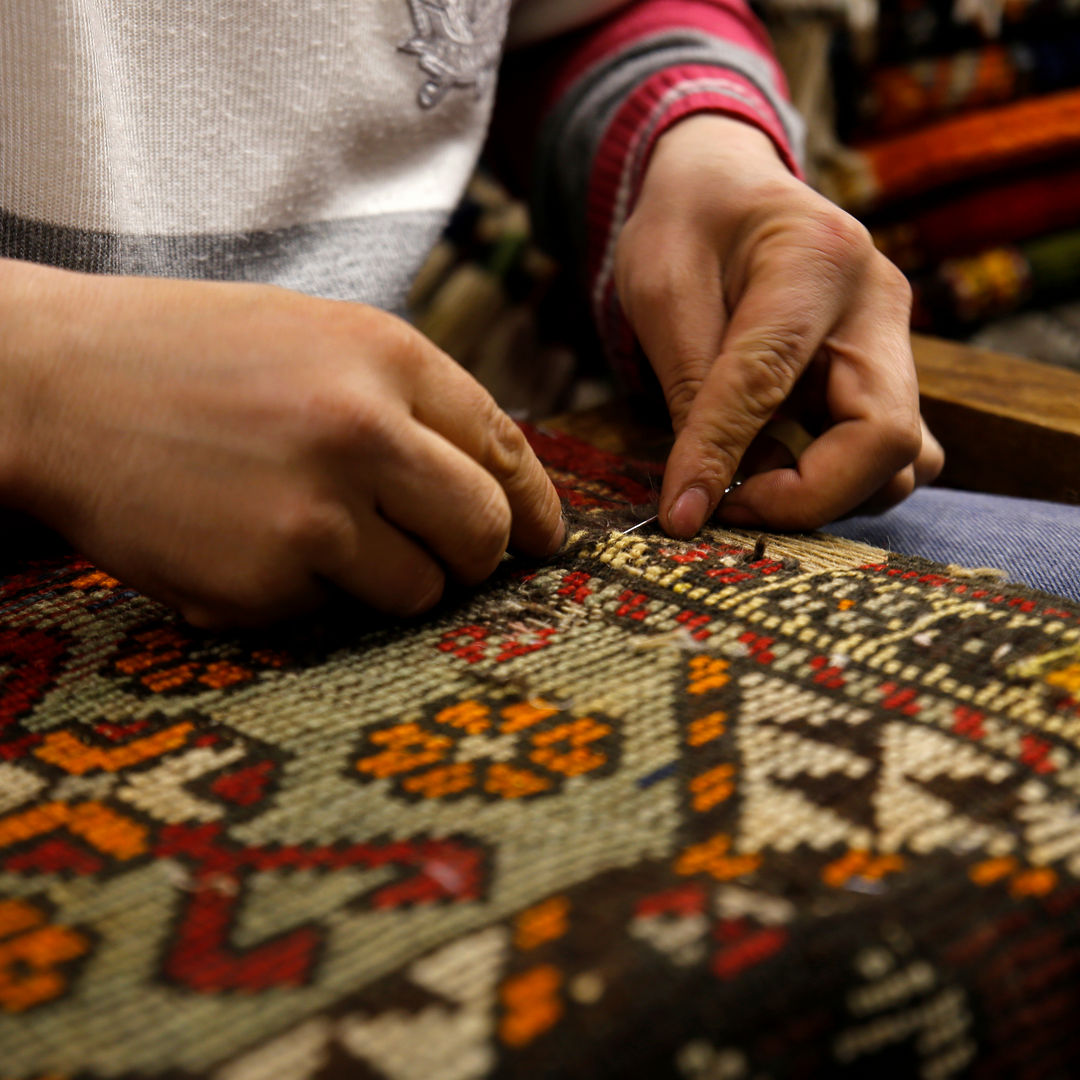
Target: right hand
230, 448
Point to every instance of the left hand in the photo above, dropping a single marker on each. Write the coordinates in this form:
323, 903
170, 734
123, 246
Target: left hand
747, 290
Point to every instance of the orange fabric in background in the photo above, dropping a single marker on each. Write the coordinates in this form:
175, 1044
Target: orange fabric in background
975, 144
907, 94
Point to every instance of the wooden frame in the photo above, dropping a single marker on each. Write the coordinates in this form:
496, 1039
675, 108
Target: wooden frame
1009, 426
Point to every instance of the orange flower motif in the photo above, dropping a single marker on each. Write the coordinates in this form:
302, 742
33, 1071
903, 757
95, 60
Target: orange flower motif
221, 674
470, 716
527, 754
991, 870
1067, 678
160, 646
711, 857
860, 864
170, 679
408, 747
442, 781
511, 783
578, 758
32, 953
546, 921
94, 822
1038, 881
712, 787
1030, 881
95, 579
525, 714
706, 728
70, 753
707, 673
532, 1004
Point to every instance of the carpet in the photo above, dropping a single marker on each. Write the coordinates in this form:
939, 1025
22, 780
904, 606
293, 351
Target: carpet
744, 807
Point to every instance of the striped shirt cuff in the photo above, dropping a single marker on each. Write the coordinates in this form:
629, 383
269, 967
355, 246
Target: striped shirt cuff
621, 158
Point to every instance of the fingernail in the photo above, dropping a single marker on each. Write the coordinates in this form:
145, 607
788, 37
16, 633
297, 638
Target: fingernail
740, 516
689, 512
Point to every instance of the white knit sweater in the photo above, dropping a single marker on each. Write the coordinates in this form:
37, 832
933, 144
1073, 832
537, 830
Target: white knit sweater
318, 144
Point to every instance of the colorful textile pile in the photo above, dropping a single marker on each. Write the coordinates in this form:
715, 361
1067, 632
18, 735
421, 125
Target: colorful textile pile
996, 282
497, 304
741, 807
959, 146
907, 95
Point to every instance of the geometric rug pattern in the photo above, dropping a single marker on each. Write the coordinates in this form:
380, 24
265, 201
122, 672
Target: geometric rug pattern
738, 808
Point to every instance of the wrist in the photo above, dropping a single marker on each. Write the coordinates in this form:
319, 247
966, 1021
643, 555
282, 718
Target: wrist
35, 306
714, 174
718, 141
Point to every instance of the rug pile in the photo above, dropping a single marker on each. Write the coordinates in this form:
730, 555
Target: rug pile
745, 807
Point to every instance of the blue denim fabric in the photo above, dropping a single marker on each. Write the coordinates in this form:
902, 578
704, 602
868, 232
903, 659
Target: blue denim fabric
1037, 543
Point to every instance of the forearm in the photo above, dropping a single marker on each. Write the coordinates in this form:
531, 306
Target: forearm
38, 305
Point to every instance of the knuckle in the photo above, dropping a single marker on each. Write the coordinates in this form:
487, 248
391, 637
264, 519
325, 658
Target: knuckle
506, 449
206, 618
489, 534
905, 483
259, 599
930, 462
900, 440
896, 284
848, 232
345, 424
720, 456
307, 526
771, 365
417, 591
657, 285
840, 239
680, 392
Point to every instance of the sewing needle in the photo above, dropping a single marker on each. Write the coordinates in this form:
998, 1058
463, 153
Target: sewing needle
639, 524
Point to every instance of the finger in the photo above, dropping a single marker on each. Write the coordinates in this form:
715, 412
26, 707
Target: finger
672, 295
873, 396
382, 567
451, 403
774, 332
455, 508
842, 469
895, 490
229, 592
923, 471
931, 459
238, 606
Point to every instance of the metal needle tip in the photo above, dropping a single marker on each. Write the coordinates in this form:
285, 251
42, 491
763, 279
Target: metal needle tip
639, 524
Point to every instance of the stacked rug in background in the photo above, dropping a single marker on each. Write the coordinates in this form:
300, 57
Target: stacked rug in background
738, 808
952, 129
497, 305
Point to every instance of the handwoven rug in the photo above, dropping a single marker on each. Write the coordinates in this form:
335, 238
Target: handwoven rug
743, 807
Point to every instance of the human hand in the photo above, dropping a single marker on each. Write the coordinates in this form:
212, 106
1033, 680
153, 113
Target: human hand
748, 292
230, 449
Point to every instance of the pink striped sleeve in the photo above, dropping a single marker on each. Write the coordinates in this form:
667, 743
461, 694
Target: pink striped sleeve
602, 97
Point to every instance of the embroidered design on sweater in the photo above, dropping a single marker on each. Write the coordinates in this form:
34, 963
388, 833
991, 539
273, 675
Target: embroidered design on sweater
458, 43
